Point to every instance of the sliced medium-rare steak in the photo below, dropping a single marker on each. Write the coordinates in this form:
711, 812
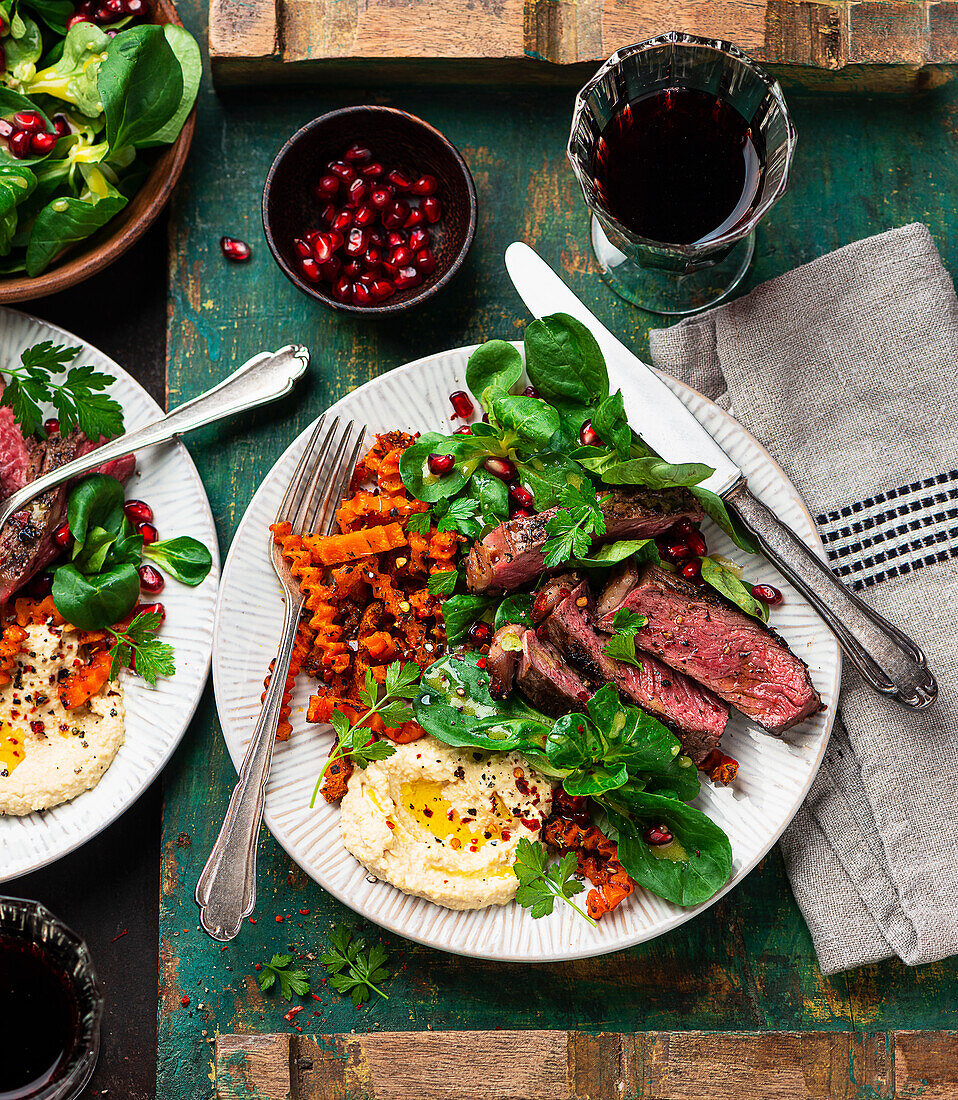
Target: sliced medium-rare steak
14, 455
696, 632
696, 715
512, 554
546, 680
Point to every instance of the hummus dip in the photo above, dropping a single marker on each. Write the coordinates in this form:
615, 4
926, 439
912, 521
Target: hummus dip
444, 823
49, 755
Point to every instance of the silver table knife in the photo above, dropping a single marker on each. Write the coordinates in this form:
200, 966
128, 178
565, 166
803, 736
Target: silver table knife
887, 659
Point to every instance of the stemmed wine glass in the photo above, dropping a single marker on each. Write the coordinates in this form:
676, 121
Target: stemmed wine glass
667, 133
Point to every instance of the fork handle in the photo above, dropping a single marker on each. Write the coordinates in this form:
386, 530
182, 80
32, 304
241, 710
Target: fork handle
226, 890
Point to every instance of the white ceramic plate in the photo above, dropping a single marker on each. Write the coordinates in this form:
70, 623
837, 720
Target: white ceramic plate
156, 717
774, 774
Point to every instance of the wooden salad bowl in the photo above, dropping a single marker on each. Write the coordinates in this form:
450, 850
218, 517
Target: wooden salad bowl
108, 244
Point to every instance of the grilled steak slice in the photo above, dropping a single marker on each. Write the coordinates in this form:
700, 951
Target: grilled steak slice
512, 555
26, 542
696, 632
546, 680
501, 662
698, 718
14, 455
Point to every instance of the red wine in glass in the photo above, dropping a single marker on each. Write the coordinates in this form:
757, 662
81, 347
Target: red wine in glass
678, 166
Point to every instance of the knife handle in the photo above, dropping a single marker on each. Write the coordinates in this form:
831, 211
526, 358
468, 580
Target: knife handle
888, 659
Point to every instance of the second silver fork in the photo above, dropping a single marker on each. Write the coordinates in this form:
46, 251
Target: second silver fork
226, 890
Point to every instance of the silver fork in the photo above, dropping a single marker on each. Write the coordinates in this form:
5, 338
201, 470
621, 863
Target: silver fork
226, 890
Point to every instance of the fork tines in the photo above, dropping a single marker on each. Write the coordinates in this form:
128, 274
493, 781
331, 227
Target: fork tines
321, 476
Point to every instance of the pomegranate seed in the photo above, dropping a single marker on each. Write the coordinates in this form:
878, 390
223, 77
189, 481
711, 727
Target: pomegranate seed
419, 239
149, 533
440, 464
62, 536
696, 543
767, 594
407, 277
343, 221
501, 468
343, 289
373, 259
396, 238
521, 496
362, 296
6, 128
336, 240
41, 144
676, 551
103, 15
479, 633
657, 835
61, 127
322, 248
329, 213
464, 430
364, 216
135, 7
382, 289
357, 192
78, 17
29, 120
327, 187
138, 511
416, 218
301, 248
432, 208
310, 270
425, 185
358, 154
345, 171
394, 216
530, 391
151, 580
329, 271
588, 436
372, 171
381, 197
367, 279
462, 404
692, 570
425, 261
353, 269
525, 513
52, 426
684, 527
376, 238
357, 242
390, 270
401, 256
152, 609
235, 250
20, 144
399, 180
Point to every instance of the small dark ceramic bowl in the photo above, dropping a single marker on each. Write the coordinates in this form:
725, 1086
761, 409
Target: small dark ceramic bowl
398, 140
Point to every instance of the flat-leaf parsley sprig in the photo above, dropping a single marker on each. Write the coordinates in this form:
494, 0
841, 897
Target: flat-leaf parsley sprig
78, 398
621, 646
290, 981
394, 708
137, 647
572, 529
353, 969
540, 884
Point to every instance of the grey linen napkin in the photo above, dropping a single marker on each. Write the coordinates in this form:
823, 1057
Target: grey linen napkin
847, 370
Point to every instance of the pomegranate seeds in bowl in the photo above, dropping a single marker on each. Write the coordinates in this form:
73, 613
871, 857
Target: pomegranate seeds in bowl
369, 209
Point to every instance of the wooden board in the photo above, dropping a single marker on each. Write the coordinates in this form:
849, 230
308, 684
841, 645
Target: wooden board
559, 1065
850, 42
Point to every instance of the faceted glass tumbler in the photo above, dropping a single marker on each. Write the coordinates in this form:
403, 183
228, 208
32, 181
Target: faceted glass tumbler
675, 279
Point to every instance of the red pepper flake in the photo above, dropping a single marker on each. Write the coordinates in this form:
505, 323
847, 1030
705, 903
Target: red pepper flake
390, 825
481, 663
252, 920
185, 1001
304, 912
293, 1012
279, 919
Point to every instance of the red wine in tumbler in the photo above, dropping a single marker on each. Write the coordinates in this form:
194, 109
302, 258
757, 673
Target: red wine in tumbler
678, 166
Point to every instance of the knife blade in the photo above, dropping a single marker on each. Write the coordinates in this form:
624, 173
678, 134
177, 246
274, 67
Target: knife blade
665, 424
887, 658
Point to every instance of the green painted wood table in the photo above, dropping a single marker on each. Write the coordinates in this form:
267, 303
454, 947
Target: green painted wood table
863, 165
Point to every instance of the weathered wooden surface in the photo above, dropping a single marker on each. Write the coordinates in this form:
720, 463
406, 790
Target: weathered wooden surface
747, 964
550, 40
559, 1065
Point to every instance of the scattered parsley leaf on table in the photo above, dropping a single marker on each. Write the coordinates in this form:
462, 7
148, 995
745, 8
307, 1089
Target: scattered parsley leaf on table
572, 529
78, 399
352, 968
290, 981
621, 646
540, 884
138, 648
